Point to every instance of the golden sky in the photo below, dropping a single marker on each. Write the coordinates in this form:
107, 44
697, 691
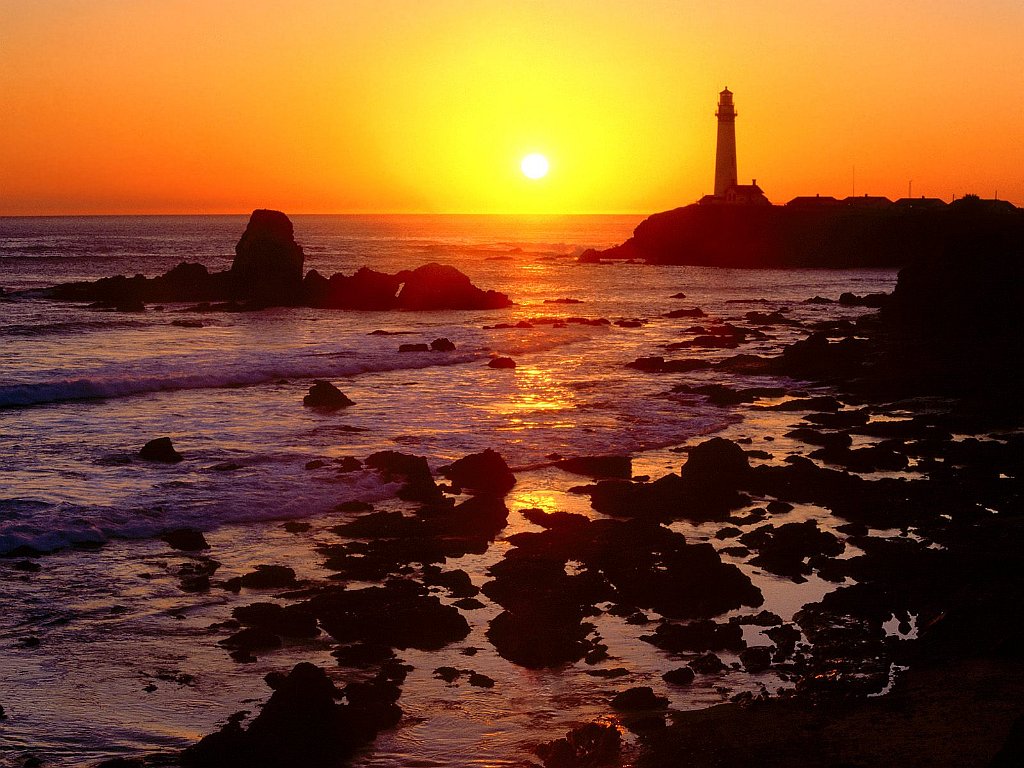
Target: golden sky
319, 106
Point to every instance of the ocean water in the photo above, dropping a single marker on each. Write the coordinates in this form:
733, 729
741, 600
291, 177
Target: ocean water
82, 390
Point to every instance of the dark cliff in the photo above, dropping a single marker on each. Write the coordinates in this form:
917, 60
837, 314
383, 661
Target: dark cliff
836, 237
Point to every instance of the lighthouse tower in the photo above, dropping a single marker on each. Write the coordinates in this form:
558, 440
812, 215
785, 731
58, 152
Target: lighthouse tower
725, 159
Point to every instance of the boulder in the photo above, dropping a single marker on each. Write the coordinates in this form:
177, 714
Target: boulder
501, 362
439, 286
442, 344
185, 539
302, 724
598, 466
484, 472
160, 449
583, 747
638, 699
325, 395
268, 262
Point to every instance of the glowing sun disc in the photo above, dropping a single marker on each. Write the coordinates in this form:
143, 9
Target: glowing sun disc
534, 166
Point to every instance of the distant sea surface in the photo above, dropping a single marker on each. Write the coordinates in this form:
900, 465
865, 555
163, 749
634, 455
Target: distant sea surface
81, 390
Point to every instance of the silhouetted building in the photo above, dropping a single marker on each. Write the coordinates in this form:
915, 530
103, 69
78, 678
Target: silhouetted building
817, 201
921, 203
725, 159
868, 201
727, 189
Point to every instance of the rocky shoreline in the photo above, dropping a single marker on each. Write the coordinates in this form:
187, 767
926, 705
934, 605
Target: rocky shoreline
267, 272
925, 610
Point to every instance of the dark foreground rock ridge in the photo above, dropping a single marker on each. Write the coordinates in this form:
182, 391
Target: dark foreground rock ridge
787, 236
267, 272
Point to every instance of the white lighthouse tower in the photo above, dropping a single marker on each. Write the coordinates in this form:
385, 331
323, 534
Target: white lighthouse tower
725, 159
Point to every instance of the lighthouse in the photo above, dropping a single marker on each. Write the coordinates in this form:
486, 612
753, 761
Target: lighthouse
725, 159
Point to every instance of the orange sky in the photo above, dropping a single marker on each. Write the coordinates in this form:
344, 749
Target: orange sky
161, 106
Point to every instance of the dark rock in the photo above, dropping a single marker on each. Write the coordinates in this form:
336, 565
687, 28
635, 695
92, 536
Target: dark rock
268, 262
438, 286
457, 582
442, 344
708, 664
587, 746
783, 549
756, 659
598, 466
288, 620
694, 312
761, 619
27, 566
468, 604
638, 699
362, 654
480, 681
316, 464
501, 362
678, 296
325, 395
608, 673
252, 639
185, 539
355, 505
269, 577
301, 725
448, 674
484, 472
679, 676
295, 526
160, 449
697, 636
413, 348
399, 614
413, 471
661, 365
195, 576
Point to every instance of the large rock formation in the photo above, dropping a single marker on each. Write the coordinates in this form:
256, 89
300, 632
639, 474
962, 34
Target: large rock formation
268, 262
267, 271
843, 236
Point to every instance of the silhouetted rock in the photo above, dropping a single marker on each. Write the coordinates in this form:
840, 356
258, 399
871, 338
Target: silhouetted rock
412, 471
269, 577
399, 614
160, 449
587, 746
772, 236
442, 344
285, 620
325, 395
268, 262
501, 362
697, 636
637, 699
757, 658
484, 472
598, 466
301, 724
413, 348
679, 676
185, 539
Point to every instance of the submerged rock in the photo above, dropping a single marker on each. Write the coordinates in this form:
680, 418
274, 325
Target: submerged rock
160, 449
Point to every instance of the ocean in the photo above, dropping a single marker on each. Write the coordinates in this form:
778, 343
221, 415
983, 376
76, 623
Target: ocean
106, 655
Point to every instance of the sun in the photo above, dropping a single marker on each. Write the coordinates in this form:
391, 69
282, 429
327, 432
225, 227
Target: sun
535, 166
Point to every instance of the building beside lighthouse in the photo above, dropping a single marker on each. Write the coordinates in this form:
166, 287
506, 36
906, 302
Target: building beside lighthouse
728, 190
